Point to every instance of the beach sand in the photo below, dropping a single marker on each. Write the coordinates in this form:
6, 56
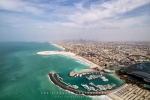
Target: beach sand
57, 45
92, 65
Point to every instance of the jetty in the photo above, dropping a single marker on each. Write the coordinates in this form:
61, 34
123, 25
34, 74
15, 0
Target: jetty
85, 72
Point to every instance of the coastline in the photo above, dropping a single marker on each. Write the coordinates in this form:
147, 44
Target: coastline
91, 64
70, 54
57, 45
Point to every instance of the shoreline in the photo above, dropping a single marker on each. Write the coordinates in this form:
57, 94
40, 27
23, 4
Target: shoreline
57, 45
91, 64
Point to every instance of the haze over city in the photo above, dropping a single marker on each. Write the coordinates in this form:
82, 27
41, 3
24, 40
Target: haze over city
48, 20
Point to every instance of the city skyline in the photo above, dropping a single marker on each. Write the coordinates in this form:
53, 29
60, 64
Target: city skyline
44, 20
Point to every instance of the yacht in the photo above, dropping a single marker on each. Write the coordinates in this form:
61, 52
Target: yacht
75, 86
80, 75
85, 86
109, 86
104, 78
113, 85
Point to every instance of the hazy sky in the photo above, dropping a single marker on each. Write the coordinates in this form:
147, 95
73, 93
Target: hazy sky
46, 20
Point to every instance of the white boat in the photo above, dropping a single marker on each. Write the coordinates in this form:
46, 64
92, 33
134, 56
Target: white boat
109, 86
75, 86
80, 75
91, 83
104, 78
103, 88
86, 86
113, 85
92, 88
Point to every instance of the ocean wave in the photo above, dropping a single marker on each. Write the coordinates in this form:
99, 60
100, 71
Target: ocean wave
76, 60
82, 62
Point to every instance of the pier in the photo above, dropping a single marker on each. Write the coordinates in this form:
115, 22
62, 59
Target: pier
84, 72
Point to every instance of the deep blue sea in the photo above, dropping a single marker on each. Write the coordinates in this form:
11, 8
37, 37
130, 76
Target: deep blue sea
24, 75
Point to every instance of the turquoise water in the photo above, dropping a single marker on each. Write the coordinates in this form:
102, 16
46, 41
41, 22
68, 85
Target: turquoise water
24, 75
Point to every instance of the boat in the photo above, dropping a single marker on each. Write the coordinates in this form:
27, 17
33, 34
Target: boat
109, 86
103, 88
113, 85
75, 86
91, 83
92, 88
104, 78
85, 86
80, 75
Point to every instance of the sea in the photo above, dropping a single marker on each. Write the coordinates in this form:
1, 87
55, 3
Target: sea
24, 75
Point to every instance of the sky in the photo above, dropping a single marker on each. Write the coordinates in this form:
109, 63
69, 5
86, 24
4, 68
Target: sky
54, 20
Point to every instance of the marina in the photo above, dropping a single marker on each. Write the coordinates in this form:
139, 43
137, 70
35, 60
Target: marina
90, 88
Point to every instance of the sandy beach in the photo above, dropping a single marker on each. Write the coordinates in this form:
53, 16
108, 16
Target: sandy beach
57, 45
92, 65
